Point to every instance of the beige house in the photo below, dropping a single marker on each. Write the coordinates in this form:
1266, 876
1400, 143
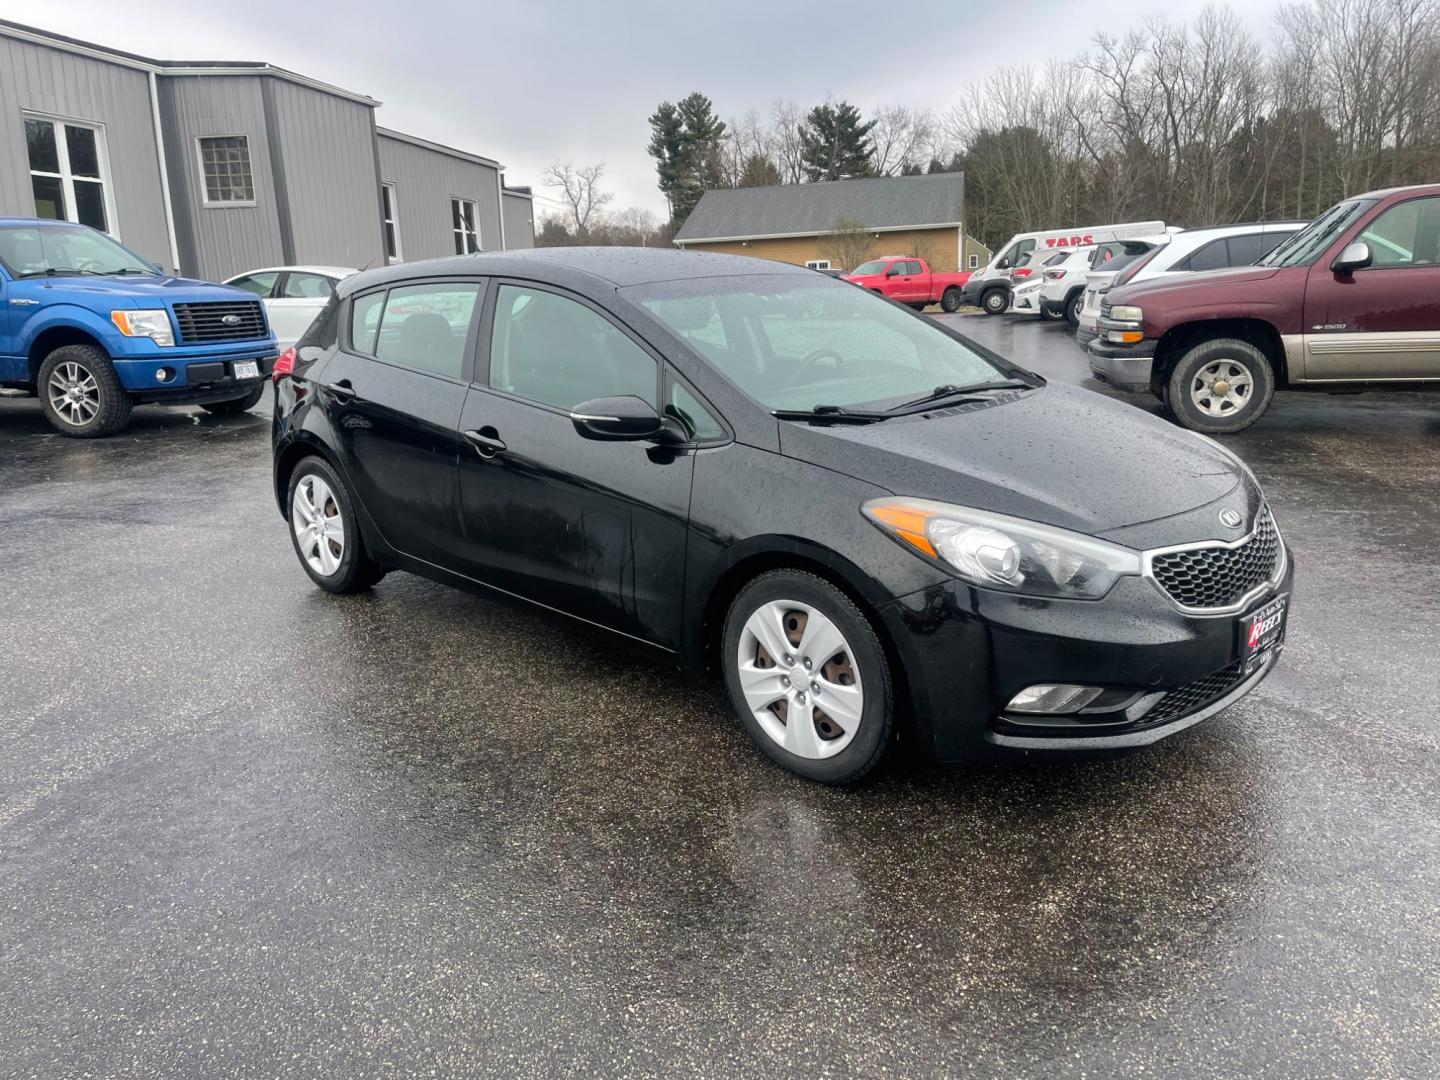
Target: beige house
839, 224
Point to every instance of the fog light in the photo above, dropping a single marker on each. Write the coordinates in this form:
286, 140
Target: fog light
165, 374
1053, 698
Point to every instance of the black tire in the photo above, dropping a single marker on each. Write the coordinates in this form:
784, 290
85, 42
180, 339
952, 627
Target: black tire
950, 300
919, 307
1051, 314
994, 301
877, 718
101, 388
238, 405
356, 571
1188, 376
1073, 306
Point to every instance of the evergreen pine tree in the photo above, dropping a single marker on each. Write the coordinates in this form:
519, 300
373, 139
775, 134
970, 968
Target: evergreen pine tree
835, 143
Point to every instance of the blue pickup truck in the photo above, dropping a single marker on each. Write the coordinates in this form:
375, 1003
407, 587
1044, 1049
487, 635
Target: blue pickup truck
93, 330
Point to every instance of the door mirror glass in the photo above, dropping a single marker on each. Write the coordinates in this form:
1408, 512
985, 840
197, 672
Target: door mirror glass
1003, 264
1356, 256
618, 419
895, 270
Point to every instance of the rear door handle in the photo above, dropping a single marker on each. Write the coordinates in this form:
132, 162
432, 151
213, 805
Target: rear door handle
486, 441
342, 390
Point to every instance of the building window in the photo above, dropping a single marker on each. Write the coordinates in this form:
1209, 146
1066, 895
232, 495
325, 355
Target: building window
974, 261
389, 211
225, 168
818, 264
67, 171
462, 216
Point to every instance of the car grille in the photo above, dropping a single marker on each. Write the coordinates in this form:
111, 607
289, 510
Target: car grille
1195, 696
1218, 576
229, 320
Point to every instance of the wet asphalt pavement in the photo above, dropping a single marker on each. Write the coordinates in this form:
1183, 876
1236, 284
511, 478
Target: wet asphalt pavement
249, 829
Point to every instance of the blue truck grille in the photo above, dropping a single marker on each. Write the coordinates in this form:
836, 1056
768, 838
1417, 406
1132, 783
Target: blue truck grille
227, 320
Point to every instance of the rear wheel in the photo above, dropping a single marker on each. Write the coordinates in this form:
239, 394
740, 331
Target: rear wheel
808, 676
1220, 386
325, 532
950, 300
237, 405
994, 301
81, 394
1073, 306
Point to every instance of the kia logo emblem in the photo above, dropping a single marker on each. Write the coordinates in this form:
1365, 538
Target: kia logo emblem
231, 320
1231, 518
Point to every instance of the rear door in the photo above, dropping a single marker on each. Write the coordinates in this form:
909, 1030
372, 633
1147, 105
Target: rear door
1382, 322
393, 394
594, 529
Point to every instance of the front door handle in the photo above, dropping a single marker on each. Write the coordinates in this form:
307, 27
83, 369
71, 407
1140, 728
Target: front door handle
342, 390
486, 441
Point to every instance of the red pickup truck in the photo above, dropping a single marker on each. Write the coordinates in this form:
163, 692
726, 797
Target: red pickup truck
908, 280
1350, 302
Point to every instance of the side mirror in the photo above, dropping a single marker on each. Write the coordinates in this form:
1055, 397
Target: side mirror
894, 270
1356, 256
621, 419
1003, 264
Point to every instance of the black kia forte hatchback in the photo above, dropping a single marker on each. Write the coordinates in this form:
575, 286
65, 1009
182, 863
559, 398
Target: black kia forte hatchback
865, 522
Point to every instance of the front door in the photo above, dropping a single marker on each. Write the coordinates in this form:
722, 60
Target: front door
393, 395
1383, 321
594, 529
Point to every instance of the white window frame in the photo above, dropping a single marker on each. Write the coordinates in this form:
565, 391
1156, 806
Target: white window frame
389, 200
817, 264
974, 262
66, 178
457, 234
223, 204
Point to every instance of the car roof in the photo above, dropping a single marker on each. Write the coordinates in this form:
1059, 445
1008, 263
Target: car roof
326, 271
619, 266
1382, 193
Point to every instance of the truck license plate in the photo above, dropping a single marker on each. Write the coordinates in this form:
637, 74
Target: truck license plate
247, 369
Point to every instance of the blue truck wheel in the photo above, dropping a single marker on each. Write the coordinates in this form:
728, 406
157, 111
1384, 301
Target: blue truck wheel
80, 393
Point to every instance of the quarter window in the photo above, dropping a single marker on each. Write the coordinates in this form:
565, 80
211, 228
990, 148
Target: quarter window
225, 169
425, 327
556, 351
365, 321
389, 211
462, 218
1405, 235
685, 407
67, 176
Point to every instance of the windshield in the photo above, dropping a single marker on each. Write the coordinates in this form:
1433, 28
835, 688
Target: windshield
874, 266
1305, 246
794, 342
32, 250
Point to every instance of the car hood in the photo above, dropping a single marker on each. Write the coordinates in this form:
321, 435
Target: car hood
1128, 294
1059, 455
132, 291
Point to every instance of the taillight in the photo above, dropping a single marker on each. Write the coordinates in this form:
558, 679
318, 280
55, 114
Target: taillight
1020, 272
1054, 275
284, 365
1134, 268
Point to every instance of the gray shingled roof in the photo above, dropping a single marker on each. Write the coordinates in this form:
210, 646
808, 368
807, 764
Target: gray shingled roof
888, 202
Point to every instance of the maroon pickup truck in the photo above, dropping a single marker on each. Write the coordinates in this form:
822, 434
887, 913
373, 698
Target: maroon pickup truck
1352, 301
909, 280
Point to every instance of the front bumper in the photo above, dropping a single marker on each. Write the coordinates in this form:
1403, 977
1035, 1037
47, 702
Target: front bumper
1125, 367
197, 375
967, 651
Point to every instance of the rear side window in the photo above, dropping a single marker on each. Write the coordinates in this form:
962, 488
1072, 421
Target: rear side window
365, 321
307, 286
1213, 256
425, 327
912, 267
260, 284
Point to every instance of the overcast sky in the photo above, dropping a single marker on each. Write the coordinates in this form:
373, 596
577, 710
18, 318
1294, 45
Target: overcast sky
532, 82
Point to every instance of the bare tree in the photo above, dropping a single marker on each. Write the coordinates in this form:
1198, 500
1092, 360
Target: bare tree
639, 221
579, 187
849, 243
901, 136
787, 121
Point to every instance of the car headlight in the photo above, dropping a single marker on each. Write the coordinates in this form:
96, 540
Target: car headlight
154, 324
1127, 313
1001, 552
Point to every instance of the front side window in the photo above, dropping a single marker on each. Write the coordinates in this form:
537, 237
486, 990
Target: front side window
462, 217
389, 211
874, 266
67, 175
554, 350
794, 342
35, 250
262, 285
225, 169
1310, 242
1407, 234
425, 327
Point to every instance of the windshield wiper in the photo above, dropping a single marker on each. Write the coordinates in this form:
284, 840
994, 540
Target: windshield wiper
60, 271
949, 390
831, 414
132, 270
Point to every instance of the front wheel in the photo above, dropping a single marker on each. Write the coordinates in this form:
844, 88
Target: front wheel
994, 302
80, 393
1052, 314
808, 676
237, 405
1220, 386
950, 300
325, 531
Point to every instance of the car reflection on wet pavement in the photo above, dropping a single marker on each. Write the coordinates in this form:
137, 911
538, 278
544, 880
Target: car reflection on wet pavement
249, 828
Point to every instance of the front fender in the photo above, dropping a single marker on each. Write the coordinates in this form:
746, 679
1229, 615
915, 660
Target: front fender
67, 316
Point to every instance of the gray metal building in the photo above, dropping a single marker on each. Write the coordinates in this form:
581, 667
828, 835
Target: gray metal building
213, 168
